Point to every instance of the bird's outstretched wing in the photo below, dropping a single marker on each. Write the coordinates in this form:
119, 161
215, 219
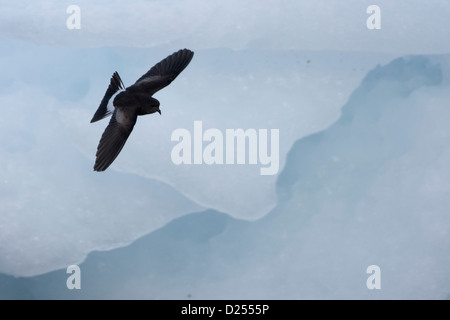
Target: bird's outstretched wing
115, 85
114, 137
163, 73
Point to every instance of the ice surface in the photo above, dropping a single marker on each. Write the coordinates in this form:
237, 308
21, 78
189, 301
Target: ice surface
48, 145
406, 26
371, 189
366, 187
239, 94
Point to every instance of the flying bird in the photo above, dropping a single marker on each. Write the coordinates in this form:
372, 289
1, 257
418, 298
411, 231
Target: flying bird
126, 104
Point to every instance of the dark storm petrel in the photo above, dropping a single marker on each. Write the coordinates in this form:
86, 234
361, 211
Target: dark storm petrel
134, 101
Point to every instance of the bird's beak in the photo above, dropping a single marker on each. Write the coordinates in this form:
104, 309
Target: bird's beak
159, 111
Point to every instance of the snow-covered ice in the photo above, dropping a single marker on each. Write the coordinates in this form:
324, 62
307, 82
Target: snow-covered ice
363, 180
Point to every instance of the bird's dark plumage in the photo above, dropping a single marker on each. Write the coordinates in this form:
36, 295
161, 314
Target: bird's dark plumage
132, 102
115, 85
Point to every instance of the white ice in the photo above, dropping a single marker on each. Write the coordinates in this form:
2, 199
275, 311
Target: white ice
375, 185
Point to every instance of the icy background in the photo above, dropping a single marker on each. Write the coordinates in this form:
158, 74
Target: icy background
364, 151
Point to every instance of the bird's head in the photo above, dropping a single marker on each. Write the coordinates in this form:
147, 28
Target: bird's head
155, 105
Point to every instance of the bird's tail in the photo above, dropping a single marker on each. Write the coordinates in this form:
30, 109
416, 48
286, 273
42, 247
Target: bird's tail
115, 85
